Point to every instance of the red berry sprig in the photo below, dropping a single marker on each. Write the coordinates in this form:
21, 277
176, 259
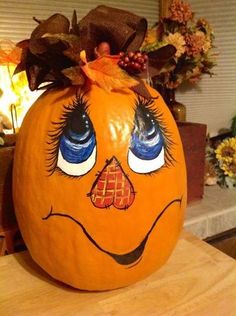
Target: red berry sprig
133, 62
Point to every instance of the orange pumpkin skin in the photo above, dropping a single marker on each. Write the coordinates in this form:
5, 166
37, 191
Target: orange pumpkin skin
70, 236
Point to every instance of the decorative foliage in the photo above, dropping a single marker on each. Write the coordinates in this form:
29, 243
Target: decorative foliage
106, 73
193, 40
52, 55
50, 50
9, 53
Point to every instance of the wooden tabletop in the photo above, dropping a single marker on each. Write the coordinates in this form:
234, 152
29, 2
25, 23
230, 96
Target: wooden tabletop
197, 280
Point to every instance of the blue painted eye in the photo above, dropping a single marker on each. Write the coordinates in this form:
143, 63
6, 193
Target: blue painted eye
146, 151
77, 146
147, 145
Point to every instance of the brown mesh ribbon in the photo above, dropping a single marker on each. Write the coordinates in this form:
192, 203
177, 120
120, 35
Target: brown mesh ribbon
50, 58
123, 30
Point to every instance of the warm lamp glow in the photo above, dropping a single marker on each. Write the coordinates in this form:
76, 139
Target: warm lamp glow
15, 96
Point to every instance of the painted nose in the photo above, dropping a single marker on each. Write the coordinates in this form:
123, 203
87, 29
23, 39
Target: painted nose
112, 187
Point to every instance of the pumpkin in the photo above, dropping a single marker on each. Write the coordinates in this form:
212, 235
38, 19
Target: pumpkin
99, 185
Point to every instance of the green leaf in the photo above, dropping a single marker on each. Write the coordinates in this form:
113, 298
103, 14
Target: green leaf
233, 126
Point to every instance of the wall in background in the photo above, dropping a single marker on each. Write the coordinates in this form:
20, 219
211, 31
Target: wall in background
212, 102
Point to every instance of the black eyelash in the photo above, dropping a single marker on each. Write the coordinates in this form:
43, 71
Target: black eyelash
158, 116
58, 127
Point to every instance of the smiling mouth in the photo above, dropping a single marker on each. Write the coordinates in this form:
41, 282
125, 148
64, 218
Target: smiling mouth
126, 258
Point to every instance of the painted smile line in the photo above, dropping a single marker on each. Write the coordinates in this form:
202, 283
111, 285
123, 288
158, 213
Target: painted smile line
123, 259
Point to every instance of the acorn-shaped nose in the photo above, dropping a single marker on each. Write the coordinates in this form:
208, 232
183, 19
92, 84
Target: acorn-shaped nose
112, 187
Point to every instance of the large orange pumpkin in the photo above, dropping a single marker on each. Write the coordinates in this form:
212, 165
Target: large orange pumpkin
99, 185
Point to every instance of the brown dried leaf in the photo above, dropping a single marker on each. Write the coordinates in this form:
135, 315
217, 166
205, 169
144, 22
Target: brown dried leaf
69, 44
159, 31
74, 24
73, 52
74, 74
55, 24
24, 45
68, 38
160, 58
162, 54
155, 71
34, 74
142, 90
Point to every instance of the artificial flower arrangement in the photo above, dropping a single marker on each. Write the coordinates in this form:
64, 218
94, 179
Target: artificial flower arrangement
193, 40
226, 162
221, 160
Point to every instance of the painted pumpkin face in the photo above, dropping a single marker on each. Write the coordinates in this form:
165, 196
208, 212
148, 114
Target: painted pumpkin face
99, 186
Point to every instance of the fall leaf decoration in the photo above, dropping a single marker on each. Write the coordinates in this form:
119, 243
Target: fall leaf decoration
50, 50
55, 54
161, 60
106, 73
75, 75
9, 53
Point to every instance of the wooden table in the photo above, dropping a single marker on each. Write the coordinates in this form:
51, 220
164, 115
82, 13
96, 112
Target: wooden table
197, 280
